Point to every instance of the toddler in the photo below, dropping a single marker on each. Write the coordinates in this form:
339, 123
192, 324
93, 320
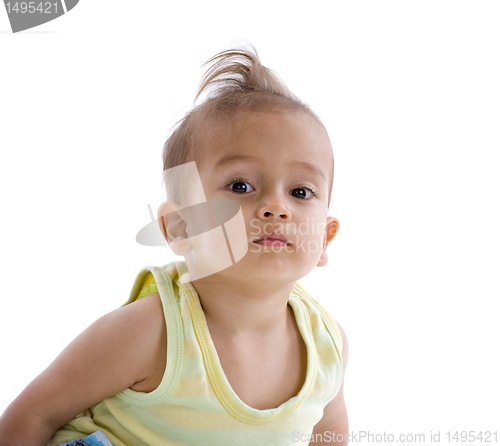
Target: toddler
225, 347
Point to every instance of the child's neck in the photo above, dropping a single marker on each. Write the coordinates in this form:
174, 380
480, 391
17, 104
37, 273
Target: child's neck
243, 310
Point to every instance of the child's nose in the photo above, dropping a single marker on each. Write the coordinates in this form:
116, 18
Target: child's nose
274, 211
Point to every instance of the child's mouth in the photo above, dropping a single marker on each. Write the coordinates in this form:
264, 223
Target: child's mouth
272, 240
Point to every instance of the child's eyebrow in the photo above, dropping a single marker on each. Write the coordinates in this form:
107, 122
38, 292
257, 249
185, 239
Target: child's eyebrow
308, 166
232, 158
293, 164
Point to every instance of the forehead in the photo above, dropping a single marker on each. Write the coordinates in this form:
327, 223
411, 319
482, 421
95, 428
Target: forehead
285, 136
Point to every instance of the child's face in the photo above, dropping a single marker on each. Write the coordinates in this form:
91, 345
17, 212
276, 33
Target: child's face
277, 165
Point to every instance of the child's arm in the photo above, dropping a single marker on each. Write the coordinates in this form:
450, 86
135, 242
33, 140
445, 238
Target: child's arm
117, 351
333, 428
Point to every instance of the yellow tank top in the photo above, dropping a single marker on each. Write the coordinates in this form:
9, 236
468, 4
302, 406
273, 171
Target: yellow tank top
195, 404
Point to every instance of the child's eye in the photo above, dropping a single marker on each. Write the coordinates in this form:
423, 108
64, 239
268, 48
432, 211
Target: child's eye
303, 193
240, 186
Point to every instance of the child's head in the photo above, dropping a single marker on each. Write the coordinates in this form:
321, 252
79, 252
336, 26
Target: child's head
235, 82
254, 142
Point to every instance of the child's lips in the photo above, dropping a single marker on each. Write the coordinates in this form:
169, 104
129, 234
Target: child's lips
273, 239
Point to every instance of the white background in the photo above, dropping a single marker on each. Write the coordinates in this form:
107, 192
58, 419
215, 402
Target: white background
410, 93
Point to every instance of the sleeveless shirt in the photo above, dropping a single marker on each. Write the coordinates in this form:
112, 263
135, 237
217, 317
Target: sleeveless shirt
195, 404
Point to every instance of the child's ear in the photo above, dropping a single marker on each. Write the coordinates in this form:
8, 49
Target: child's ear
331, 229
173, 228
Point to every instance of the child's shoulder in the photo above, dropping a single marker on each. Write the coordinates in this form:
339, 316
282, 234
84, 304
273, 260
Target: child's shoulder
126, 345
123, 349
135, 336
149, 340
321, 317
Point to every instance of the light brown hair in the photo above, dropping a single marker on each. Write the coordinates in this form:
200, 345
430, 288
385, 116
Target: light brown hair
234, 81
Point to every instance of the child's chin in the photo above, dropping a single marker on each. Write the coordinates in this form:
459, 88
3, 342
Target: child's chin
271, 266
